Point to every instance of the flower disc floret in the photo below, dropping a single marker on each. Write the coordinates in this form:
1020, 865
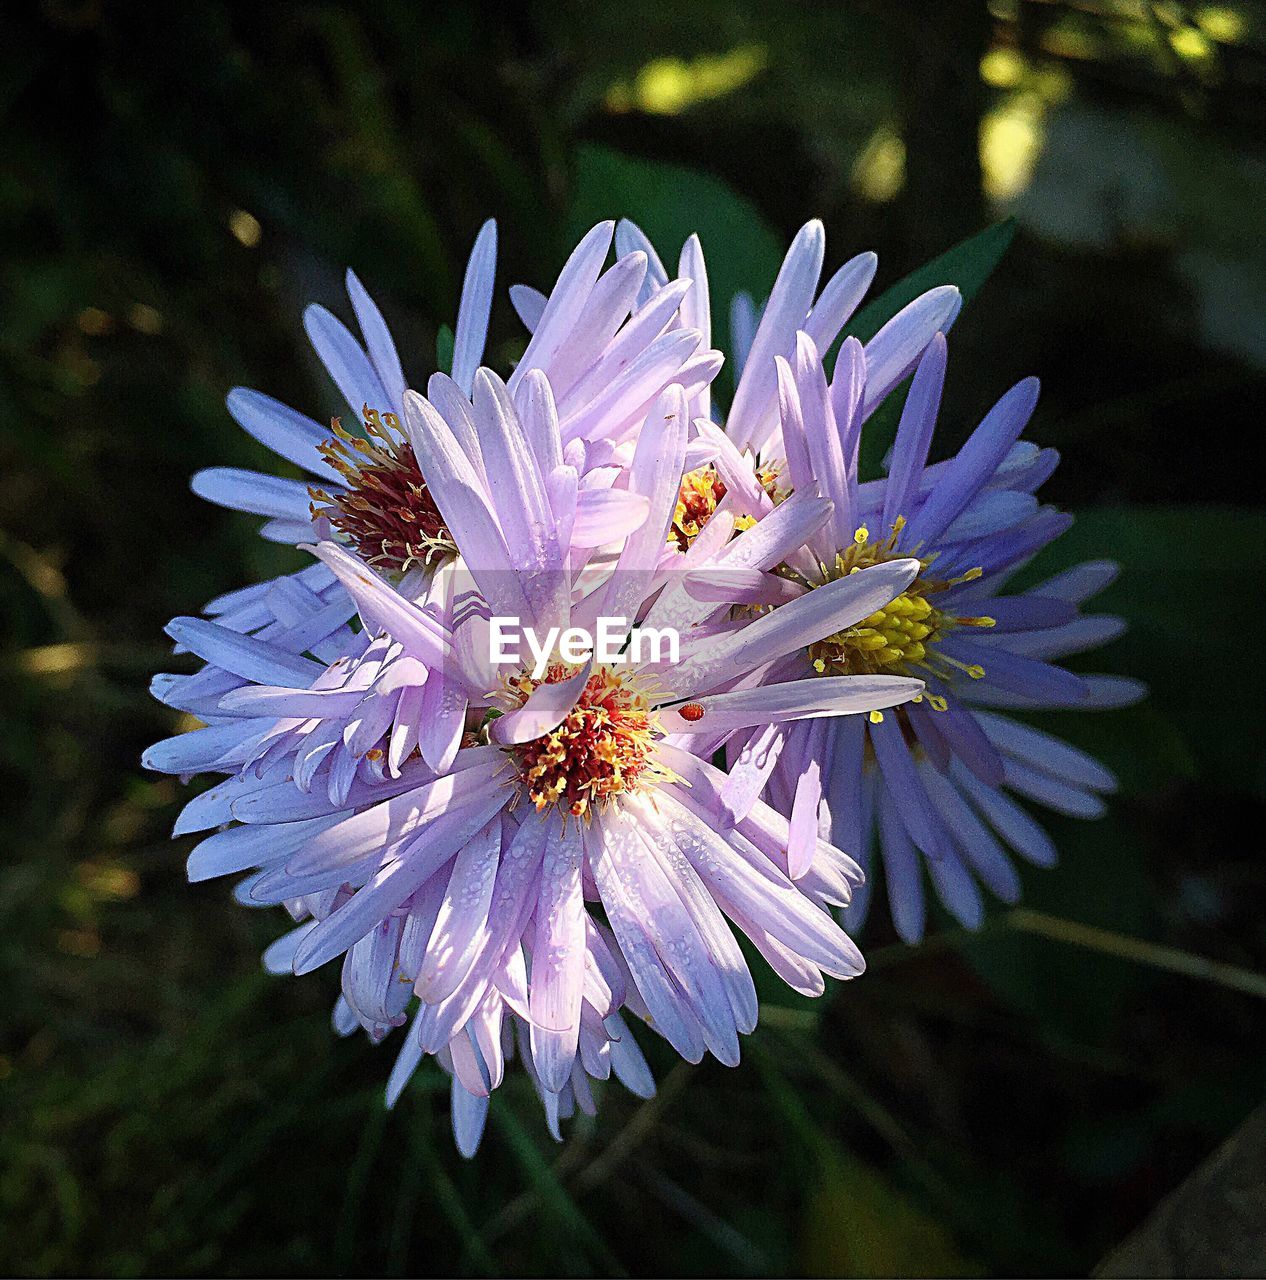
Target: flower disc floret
602, 749
900, 638
387, 512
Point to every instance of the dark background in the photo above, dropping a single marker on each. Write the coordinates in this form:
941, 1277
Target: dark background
179, 179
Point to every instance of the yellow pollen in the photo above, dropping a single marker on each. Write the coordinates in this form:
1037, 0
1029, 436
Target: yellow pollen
903, 636
701, 490
700, 494
602, 749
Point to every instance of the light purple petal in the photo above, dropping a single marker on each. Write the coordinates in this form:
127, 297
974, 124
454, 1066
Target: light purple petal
558, 958
288, 433
255, 493
914, 433
825, 610
244, 656
607, 515
792, 700
346, 362
475, 307
378, 343
839, 298
752, 413
895, 350
382, 606
975, 461
529, 305
393, 883
566, 301
545, 709
463, 914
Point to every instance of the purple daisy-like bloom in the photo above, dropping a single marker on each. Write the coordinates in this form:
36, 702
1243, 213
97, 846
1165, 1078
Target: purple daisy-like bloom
451, 848
606, 357
933, 777
795, 304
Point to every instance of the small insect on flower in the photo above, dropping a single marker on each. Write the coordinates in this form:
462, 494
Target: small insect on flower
692, 711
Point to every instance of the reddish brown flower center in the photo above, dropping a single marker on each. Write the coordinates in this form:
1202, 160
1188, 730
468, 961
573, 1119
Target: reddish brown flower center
602, 748
387, 512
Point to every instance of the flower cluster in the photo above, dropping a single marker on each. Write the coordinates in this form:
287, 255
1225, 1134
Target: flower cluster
523, 864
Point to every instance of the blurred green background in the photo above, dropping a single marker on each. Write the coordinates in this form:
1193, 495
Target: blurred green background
178, 180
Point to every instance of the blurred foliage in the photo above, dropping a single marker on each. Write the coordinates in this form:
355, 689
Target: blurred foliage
178, 181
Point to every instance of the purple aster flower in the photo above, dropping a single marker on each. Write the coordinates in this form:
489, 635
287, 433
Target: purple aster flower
463, 872
935, 776
606, 367
795, 304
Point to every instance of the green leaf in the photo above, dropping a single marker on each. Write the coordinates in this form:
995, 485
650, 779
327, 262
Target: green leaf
1179, 567
967, 265
444, 349
556, 1201
669, 203
1102, 880
887, 1233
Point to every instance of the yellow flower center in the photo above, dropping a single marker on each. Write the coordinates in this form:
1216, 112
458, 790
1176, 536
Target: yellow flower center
699, 496
697, 499
901, 637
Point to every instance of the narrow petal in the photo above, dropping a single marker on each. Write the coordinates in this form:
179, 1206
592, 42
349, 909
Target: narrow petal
743, 322
606, 308
905, 788
381, 605
463, 913
244, 656
255, 493
902, 872
1008, 819
566, 301
895, 350
975, 842
529, 305
752, 413
673, 1018
825, 610
822, 437
914, 432
791, 700
288, 433
545, 709
475, 307
607, 515
696, 307
802, 843
378, 343
558, 959
975, 461
460, 497
346, 362
393, 883
839, 299
630, 238
534, 401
